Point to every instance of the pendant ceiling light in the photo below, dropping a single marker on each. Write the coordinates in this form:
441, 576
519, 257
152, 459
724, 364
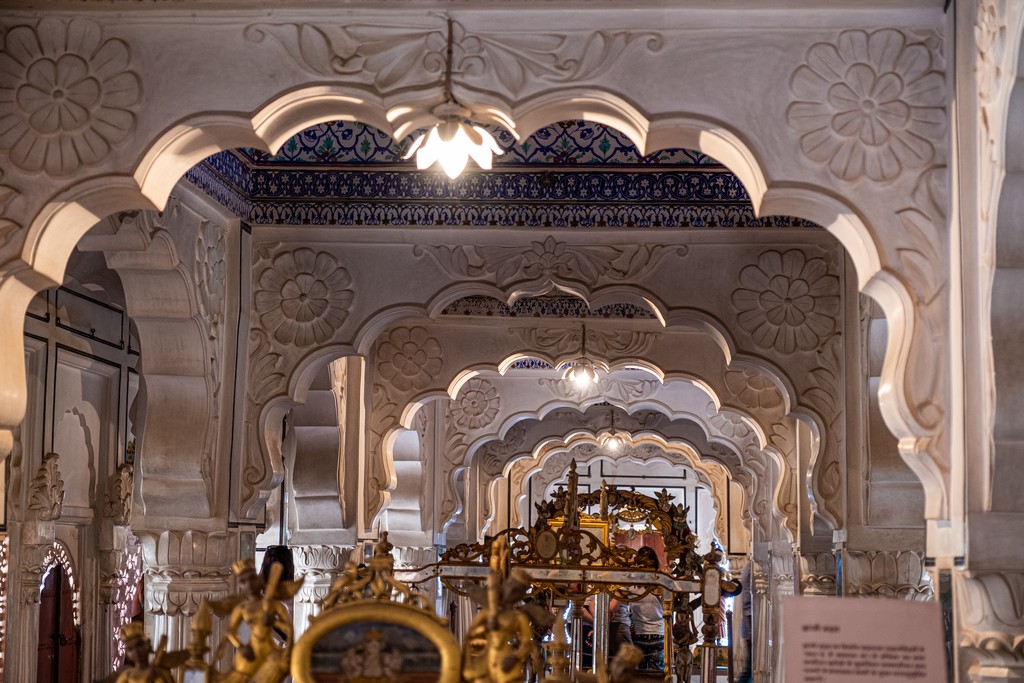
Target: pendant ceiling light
453, 142
582, 371
613, 441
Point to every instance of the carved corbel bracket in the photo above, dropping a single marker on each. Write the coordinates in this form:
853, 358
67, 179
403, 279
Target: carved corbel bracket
46, 492
117, 505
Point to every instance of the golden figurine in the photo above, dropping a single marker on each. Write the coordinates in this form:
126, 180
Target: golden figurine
142, 669
265, 657
500, 647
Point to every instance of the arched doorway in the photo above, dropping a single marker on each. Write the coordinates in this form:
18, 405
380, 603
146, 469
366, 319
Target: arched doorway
59, 638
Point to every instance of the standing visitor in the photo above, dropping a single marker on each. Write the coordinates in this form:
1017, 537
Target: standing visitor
649, 619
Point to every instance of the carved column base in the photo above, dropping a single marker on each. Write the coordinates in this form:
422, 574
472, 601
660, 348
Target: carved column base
818, 574
319, 564
890, 574
173, 595
181, 569
990, 610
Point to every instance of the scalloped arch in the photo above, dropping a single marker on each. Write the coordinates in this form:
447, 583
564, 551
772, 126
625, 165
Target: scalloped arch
712, 473
53, 233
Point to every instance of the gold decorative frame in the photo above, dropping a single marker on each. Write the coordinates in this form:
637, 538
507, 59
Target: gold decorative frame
372, 611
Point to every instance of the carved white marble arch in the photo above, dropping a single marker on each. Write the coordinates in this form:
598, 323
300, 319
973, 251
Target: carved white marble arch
524, 437
58, 555
768, 510
915, 412
481, 350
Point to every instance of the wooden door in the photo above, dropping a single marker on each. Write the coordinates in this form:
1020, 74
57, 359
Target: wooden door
58, 636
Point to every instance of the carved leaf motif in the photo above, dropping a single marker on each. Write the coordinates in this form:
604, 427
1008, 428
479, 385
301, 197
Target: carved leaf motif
46, 493
382, 420
554, 342
825, 397
830, 480
518, 60
7, 226
264, 378
454, 260
923, 262
921, 257
549, 261
389, 56
990, 36
119, 495
210, 271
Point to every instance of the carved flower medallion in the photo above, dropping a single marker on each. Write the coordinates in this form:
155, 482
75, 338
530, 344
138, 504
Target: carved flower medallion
409, 358
753, 388
303, 297
871, 104
66, 95
787, 301
476, 405
729, 425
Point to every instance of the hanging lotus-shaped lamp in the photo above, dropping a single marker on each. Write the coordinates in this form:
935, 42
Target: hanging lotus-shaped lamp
453, 141
582, 371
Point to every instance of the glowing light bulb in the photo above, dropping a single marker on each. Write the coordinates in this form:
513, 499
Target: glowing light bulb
452, 143
581, 373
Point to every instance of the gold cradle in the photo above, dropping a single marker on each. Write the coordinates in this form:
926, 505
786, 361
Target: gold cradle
562, 554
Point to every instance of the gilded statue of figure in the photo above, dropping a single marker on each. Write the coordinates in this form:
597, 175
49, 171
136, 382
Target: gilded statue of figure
265, 657
500, 646
142, 669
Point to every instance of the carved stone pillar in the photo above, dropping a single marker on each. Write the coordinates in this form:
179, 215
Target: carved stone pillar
182, 568
773, 577
990, 609
120, 568
318, 564
892, 574
818, 574
28, 561
761, 633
